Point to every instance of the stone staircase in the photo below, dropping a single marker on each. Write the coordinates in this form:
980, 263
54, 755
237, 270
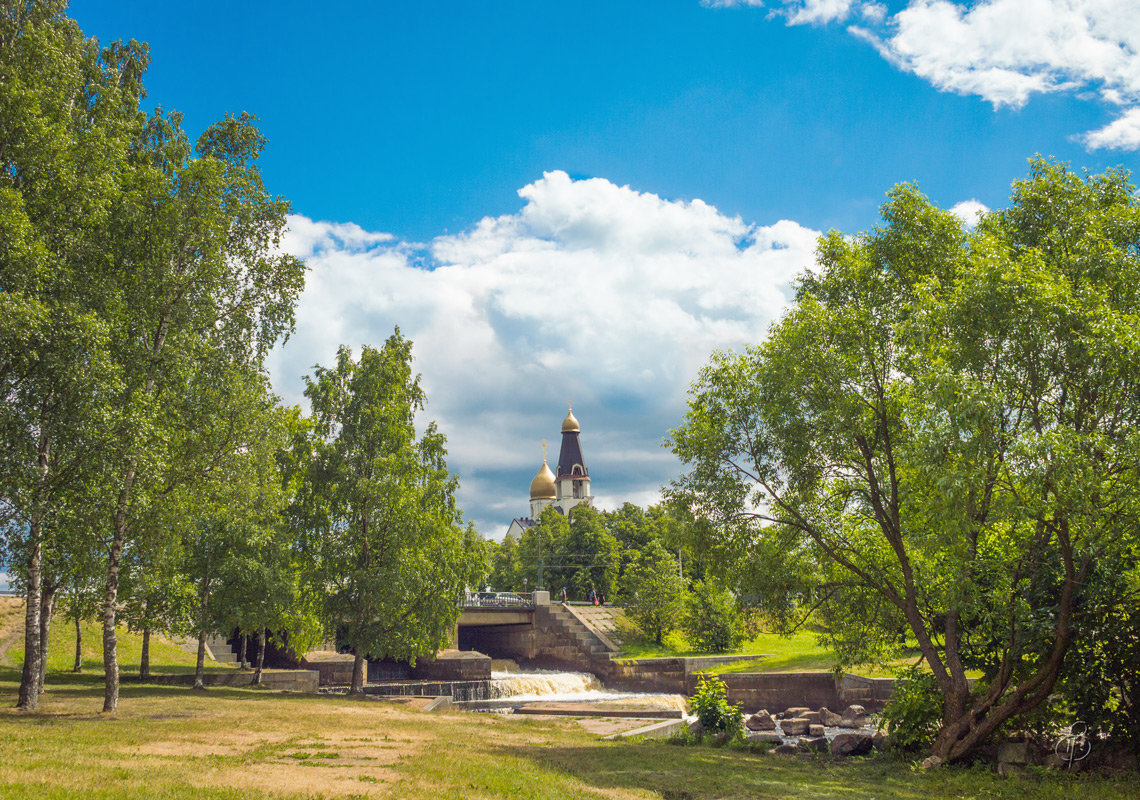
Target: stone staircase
591, 641
217, 648
603, 620
220, 649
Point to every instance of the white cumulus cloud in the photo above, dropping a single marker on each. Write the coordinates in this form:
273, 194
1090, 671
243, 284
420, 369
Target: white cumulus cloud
591, 292
1120, 134
969, 211
1006, 51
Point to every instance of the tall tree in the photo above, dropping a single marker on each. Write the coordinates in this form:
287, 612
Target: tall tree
196, 301
129, 255
379, 510
654, 592
67, 113
945, 424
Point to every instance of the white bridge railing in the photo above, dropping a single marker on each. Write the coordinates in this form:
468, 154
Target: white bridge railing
497, 600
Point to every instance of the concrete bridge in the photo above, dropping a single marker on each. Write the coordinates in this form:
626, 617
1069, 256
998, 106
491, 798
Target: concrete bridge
530, 630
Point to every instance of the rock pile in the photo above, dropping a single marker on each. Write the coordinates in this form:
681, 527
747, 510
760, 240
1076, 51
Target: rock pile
798, 730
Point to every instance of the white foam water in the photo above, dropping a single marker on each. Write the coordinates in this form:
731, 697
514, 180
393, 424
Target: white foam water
570, 687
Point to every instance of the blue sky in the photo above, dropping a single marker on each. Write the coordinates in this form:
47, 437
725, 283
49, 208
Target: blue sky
582, 200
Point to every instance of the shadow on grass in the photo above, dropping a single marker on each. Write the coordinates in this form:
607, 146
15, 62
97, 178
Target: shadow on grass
708, 773
88, 688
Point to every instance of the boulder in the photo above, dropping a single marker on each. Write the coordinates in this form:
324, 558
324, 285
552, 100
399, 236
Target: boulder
816, 730
854, 711
851, 744
787, 749
829, 718
769, 737
1013, 753
880, 740
812, 717
813, 744
760, 721
931, 762
696, 728
796, 726
795, 711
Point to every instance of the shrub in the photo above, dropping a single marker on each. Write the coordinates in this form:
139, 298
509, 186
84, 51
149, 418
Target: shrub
712, 622
914, 712
716, 715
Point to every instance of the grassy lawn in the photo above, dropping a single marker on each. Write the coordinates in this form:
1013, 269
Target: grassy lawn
169, 742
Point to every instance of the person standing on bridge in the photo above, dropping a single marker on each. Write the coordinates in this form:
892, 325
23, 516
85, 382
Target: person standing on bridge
563, 594
592, 597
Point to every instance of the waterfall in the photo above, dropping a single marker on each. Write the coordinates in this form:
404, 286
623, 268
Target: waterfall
545, 685
508, 681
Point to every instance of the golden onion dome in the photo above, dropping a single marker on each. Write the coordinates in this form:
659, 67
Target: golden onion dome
570, 424
542, 487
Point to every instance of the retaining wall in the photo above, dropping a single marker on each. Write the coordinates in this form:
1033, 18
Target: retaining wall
774, 691
287, 680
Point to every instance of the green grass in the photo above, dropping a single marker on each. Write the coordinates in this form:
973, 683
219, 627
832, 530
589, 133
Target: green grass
799, 652
775, 653
165, 655
171, 743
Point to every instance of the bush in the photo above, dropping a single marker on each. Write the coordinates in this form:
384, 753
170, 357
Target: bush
712, 622
914, 712
716, 715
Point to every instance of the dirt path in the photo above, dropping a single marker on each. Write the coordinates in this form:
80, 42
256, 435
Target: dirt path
11, 616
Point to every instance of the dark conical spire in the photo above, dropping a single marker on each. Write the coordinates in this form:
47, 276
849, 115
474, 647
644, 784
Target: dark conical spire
570, 461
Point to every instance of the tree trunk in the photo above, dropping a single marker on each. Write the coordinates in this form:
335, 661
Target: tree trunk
111, 599
29, 696
78, 642
47, 605
241, 656
29, 689
200, 665
357, 674
144, 659
260, 656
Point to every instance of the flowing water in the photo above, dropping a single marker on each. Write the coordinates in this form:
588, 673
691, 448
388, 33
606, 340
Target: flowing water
508, 681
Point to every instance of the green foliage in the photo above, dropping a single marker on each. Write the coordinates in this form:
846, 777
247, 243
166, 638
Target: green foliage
716, 715
592, 549
654, 592
711, 620
377, 509
914, 712
1102, 677
541, 552
506, 570
938, 442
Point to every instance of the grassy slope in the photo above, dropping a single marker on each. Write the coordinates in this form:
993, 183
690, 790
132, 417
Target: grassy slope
171, 743
775, 653
165, 656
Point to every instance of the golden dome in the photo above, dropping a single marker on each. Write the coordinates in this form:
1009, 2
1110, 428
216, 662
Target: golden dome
570, 424
542, 487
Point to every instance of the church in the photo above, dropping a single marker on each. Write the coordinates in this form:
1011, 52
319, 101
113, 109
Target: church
562, 490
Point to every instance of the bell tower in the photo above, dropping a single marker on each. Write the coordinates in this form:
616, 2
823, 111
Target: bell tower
572, 479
